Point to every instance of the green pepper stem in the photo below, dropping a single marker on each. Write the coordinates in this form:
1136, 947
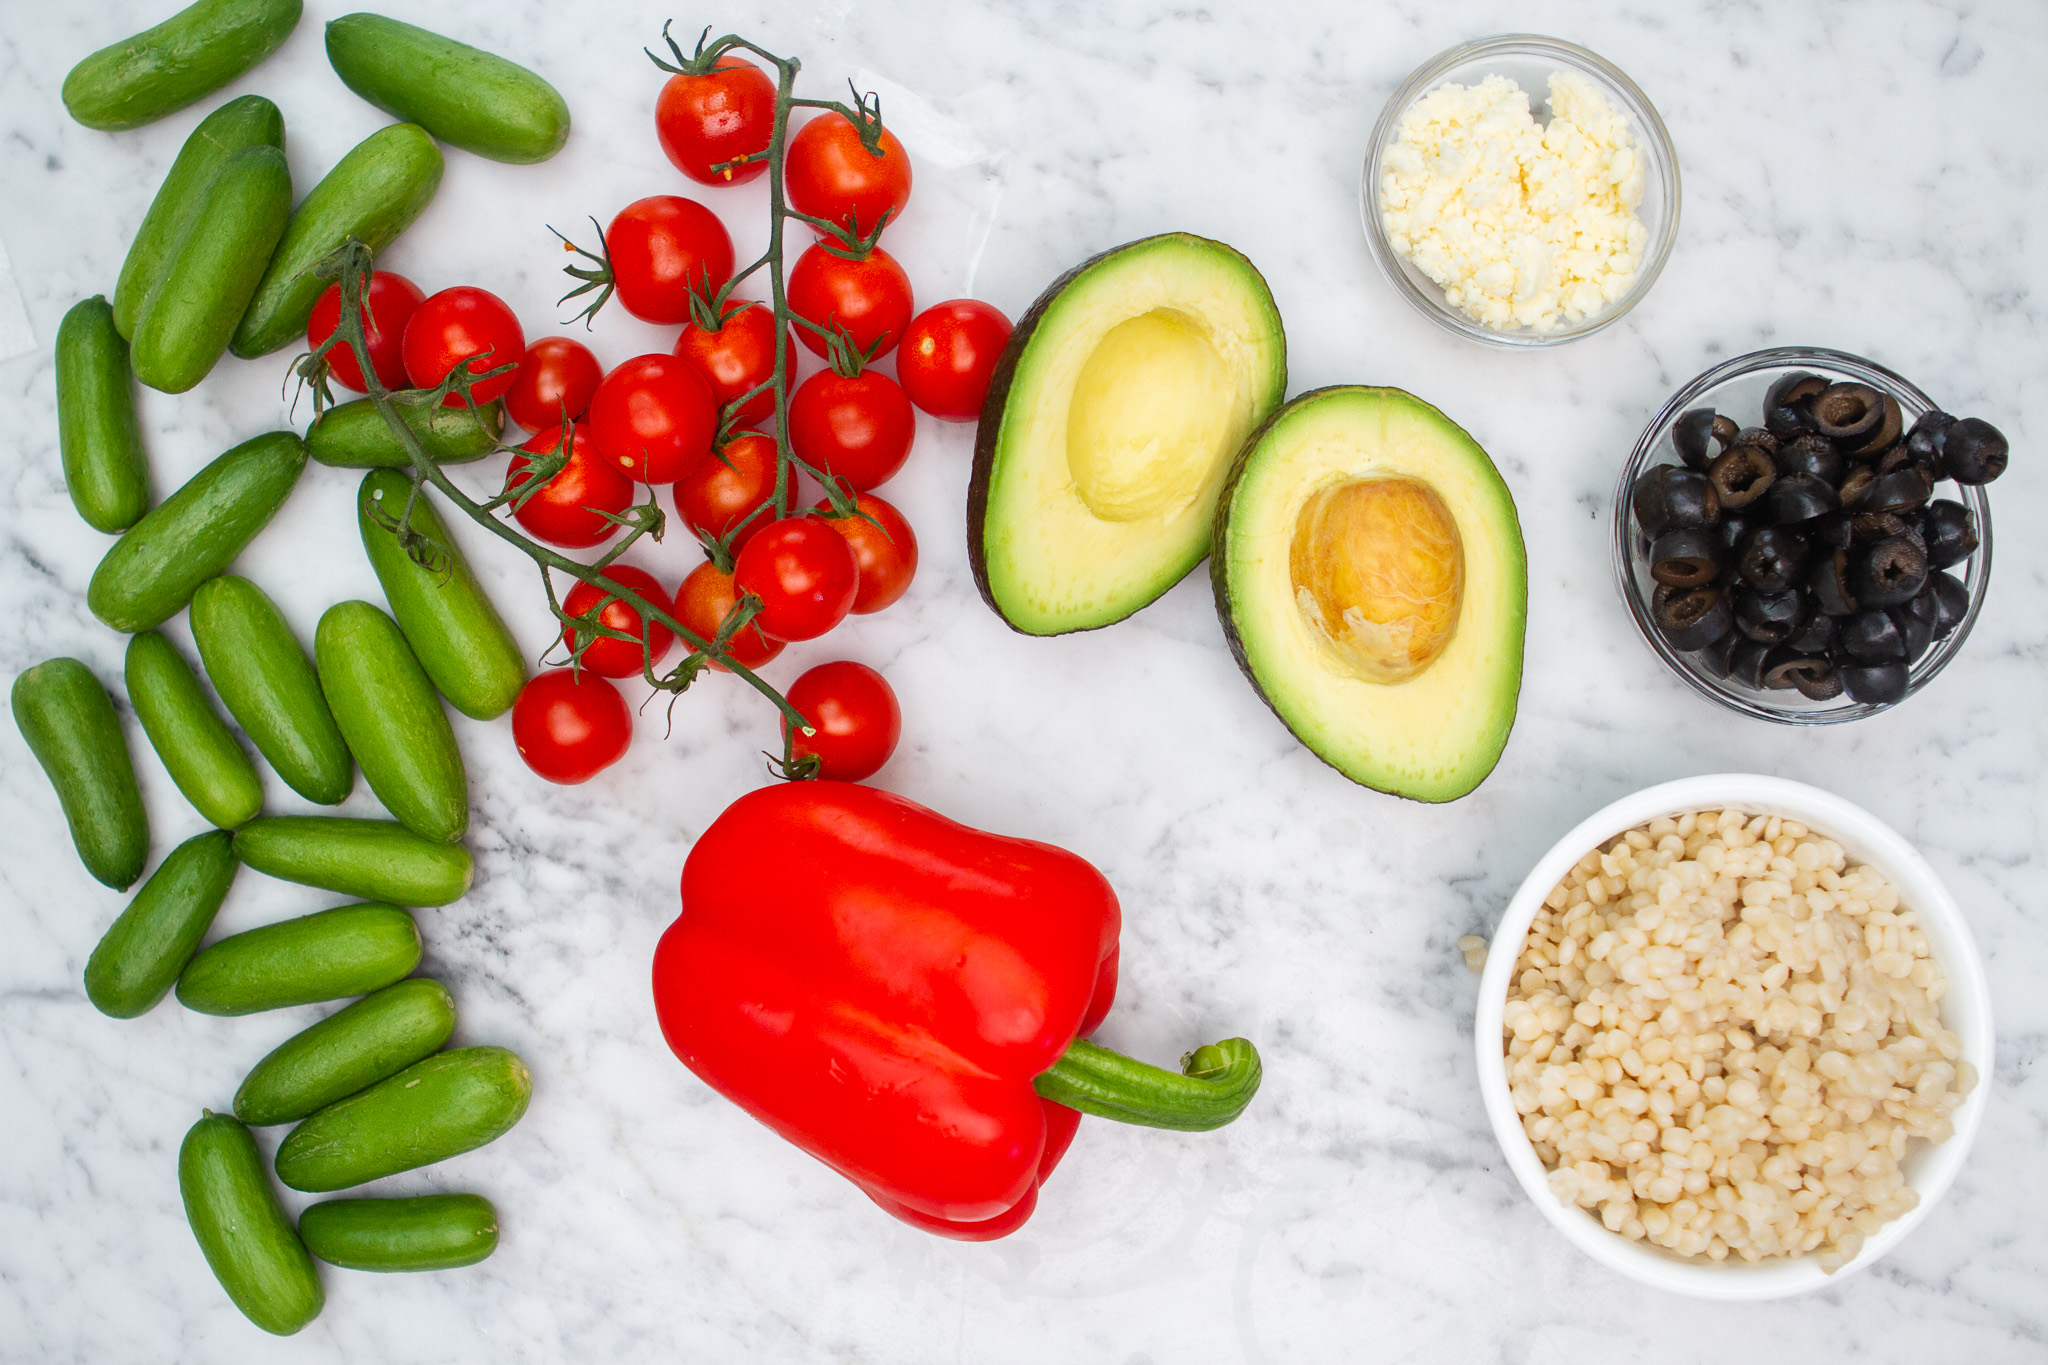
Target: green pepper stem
1214, 1084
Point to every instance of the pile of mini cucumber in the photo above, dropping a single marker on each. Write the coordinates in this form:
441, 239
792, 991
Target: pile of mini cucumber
224, 261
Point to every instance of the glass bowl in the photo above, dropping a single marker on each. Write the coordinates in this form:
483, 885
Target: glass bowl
1736, 388
1529, 61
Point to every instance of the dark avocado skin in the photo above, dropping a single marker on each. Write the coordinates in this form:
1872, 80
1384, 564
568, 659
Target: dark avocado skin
991, 423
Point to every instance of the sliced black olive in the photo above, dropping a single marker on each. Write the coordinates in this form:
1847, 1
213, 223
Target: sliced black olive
1690, 435
1714, 657
1865, 527
1872, 636
1788, 419
1855, 485
1887, 434
1814, 677
1831, 531
1902, 490
1878, 684
1794, 386
1916, 626
1828, 581
1799, 497
1951, 533
1811, 454
1687, 558
1670, 496
1974, 451
1848, 414
1741, 475
1887, 572
1724, 431
1746, 662
1761, 437
1772, 618
1951, 602
1819, 636
1772, 559
1929, 433
1692, 618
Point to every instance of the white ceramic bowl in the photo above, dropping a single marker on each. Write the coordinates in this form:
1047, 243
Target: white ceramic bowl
1966, 1010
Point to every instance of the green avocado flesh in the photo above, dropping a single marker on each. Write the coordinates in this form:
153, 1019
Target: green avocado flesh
1371, 579
1110, 426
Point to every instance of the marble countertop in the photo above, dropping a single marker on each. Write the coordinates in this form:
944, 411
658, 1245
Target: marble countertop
1868, 177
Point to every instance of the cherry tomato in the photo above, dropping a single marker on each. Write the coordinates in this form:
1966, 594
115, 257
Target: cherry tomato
736, 357
558, 373
561, 513
804, 573
661, 248
722, 116
832, 176
654, 417
388, 304
858, 428
456, 324
857, 721
885, 549
702, 603
618, 658
570, 728
949, 355
729, 487
868, 298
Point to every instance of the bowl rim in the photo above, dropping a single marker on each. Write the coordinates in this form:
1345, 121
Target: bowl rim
1650, 128
1977, 569
1966, 1009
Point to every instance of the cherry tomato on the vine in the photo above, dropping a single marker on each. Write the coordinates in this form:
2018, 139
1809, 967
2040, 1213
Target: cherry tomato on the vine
855, 717
869, 298
948, 356
701, 605
389, 301
570, 728
730, 486
859, 428
654, 417
618, 658
463, 323
721, 116
830, 175
736, 358
557, 373
884, 548
565, 510
661, 248
805, 575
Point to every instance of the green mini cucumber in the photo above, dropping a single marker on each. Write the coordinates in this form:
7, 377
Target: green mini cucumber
246, 121
139, 958
373, 194
105, 469
269, 687
247, 1237
426, 1232
464, 96
378, 859
379, 1035
328, 955
179, 62
354, 435
186, 321
149, 574
451, 1103
69, 722
392, 719
195, 744
457, 634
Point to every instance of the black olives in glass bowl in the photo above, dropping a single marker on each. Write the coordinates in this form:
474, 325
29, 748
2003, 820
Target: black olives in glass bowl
1802, 536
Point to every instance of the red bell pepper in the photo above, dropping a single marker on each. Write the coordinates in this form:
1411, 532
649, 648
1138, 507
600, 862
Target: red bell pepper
904, 998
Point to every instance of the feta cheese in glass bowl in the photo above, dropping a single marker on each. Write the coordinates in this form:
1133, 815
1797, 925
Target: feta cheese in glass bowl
1521, 191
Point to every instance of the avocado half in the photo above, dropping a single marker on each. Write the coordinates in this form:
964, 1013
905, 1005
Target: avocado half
1371, 578
1109, 428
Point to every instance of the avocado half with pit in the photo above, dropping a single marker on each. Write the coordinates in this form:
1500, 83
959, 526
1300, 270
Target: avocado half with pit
1109, 428
1371, 578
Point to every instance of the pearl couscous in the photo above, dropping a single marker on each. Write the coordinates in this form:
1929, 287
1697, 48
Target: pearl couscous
1722, 1037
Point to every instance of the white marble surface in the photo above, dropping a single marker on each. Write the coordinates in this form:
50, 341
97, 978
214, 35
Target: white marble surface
1869, 177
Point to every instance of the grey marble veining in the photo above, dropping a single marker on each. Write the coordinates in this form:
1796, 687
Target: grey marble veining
1872, 177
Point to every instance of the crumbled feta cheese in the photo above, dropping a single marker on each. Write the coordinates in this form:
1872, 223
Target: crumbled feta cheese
1521, 224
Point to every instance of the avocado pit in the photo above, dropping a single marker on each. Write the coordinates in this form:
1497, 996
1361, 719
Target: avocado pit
1378, 570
